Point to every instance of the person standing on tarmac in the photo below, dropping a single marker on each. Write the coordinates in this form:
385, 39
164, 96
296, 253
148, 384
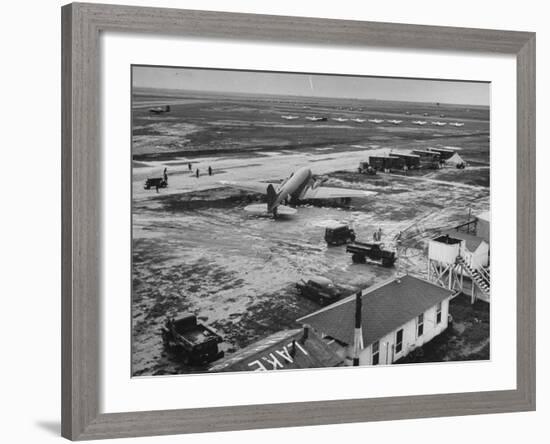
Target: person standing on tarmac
197, 173
209, 170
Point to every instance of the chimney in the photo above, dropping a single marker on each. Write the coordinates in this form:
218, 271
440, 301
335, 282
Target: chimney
358, 334
305, 335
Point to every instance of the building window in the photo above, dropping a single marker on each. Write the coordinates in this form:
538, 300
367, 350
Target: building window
399, 341
438, 314
376, 353
420, 325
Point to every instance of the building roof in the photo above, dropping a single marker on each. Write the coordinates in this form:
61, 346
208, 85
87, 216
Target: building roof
431, 153
385, 308
472, 242
414, 156
276, 352
444, 150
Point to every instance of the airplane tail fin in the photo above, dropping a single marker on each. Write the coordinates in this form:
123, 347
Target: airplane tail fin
271, 197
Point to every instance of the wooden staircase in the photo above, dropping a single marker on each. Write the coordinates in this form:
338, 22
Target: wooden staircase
480, 277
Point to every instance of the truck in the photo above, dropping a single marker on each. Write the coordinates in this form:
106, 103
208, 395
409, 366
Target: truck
365, 168
339, 234
318, 289
192, 342
374, 252
155, 182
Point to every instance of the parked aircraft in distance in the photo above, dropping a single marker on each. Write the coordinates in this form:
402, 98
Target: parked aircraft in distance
419, 122
316, 118
456, 124
160, 109
376, 120
395, 122
300, 185
340, 119
439, 123
289, 117
359, 120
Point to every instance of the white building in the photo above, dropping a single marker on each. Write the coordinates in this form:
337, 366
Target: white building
473, 249
455, 255
397, 316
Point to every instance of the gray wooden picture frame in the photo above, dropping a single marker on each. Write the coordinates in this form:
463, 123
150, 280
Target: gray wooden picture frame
81, 174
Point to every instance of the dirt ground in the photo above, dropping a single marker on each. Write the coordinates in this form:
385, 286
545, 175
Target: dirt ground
466, 338
196, 250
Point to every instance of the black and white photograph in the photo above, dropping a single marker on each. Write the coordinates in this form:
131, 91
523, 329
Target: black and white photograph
285, 221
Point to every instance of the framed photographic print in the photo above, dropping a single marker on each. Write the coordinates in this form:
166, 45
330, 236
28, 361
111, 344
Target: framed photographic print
279, 221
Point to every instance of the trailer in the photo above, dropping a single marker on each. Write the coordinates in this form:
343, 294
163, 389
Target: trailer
373, 252
412, 161
386, 163
428, 159
193, 343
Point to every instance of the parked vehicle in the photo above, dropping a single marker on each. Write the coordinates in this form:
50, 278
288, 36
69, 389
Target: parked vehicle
318, 289
155, 182
374, 252
339, 235
365, 168
194, 343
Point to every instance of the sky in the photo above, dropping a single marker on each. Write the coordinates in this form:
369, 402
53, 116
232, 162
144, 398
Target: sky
312, 85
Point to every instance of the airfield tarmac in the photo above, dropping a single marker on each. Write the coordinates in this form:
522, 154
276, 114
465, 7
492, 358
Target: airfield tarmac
196, 250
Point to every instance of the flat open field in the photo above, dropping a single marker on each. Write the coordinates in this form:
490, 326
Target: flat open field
196, 250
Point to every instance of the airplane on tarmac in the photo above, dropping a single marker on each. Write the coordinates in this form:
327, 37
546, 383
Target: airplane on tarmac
419, 122
359, 120
316, 119
456, 124
395, 122
300, 185
439, 123
376, 120
340, 119
290, 117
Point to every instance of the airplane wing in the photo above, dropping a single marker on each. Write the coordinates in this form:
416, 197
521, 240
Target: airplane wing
255, 187
334, 193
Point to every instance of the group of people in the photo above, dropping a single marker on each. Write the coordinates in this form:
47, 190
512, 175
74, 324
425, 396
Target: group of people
158, 185
197, 171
